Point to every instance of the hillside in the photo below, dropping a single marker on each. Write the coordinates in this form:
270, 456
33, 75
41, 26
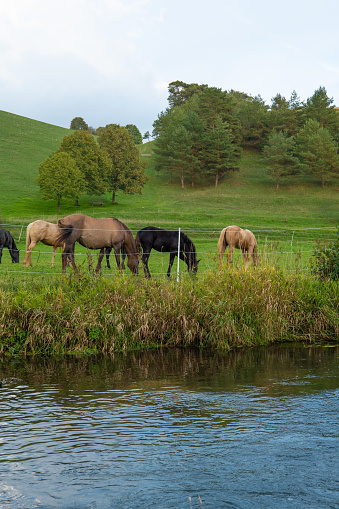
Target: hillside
247, 197
24, 144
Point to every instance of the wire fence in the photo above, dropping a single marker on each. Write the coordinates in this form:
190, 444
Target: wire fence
290, 248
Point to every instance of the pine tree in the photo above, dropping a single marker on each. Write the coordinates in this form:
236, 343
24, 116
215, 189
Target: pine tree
279, 157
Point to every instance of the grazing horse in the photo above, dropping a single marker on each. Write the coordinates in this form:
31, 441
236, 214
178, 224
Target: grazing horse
6, 240
97, 233
166, 241
41, 231
236, 237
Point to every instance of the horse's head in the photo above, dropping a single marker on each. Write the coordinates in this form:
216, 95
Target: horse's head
15, 254
133, 263
194, 267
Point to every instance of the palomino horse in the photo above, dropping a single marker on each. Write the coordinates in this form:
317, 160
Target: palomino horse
6, 240
41, 231
97, 233
236, 237
166, 241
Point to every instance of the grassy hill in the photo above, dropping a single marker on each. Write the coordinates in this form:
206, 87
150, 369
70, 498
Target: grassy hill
299, 212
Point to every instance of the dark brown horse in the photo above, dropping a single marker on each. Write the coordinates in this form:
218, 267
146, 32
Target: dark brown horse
97, 233
236, 237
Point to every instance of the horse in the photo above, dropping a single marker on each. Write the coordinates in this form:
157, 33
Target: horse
166, 241
97, 233
6, 240
236, 237
41, 231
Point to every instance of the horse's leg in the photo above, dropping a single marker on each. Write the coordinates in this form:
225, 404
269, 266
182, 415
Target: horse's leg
28, 259
53, 256
68, 256
172, 256
247, 259
117, 257
229, 255
1, 248
108, 252
144, 260
101, 255
123, 256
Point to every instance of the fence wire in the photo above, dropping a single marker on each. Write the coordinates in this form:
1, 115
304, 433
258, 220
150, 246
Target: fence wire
290, 248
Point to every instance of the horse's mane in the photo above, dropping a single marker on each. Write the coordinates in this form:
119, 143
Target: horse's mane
188, 241
123, 225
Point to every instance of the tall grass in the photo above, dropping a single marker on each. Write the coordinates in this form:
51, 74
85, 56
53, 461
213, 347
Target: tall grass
91, 314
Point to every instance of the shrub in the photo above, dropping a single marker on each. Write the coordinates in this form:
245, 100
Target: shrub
326, 264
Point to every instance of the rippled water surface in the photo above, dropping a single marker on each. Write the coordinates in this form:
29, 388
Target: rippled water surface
175, 429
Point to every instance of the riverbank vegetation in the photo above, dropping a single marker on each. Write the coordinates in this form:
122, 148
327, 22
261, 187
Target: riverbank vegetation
88, 314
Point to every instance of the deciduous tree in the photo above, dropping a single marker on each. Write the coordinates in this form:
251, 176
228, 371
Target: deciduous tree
127, 171
59, 177
91, 160
78, 123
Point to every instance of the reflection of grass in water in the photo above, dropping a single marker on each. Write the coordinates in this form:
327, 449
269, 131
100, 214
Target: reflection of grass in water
190, 501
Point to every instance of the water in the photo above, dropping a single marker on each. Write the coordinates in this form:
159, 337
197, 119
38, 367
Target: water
256, 428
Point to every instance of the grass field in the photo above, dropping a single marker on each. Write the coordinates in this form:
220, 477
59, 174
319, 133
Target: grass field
285, 222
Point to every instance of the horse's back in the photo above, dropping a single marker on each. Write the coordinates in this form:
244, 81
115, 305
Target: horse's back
42, 231
96, 233
152, 237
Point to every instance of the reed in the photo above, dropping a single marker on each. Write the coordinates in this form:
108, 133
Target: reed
87, 314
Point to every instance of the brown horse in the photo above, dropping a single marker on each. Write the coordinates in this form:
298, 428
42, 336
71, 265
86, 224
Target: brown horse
41, 231
97, 233
236, 237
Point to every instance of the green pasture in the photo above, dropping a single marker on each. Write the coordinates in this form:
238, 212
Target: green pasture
286, 222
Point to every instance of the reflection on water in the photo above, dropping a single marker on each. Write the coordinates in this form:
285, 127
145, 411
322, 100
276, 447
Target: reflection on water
252, 428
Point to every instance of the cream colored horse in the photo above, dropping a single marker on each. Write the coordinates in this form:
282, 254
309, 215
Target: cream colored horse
41, 231
236, 237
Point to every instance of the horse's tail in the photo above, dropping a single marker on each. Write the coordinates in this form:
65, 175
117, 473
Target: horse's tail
222, 242
28, 258
28, 235
65, 231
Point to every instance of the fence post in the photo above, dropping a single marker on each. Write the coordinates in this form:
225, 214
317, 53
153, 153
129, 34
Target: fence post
20, 233
178, 256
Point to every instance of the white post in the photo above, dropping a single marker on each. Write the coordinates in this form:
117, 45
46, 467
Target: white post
20, 233
178, 256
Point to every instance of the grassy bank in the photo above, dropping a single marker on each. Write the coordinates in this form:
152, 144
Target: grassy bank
89, 315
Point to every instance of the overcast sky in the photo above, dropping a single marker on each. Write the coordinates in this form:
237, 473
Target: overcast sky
110, 61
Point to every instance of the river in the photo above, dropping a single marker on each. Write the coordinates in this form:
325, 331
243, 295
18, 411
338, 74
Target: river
253, 428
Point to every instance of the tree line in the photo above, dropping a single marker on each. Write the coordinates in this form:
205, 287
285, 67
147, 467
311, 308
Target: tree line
200, 136
84, 165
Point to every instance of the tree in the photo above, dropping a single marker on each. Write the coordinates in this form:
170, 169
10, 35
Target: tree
180, 92
146, 136
278, 155
318, 151
136, 134
253, 117
320, 107
78, 123
59, 177
91, 160
127, 170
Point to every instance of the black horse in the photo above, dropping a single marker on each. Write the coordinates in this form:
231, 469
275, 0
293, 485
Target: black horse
166, 241
6, 240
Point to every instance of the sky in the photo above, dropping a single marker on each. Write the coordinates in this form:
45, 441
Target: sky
111, 61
